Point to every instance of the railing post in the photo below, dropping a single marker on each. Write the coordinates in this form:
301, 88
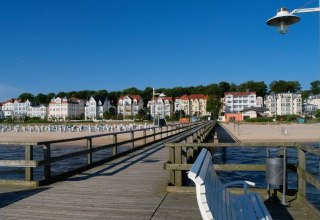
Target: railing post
28, 157
178, 160
145, 136
46, 157
154, 133
89, 147
171, 160
115, 142
132, 139
161, 132
301, 167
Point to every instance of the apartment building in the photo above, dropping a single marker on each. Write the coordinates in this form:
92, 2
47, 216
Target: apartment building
314, 100
235, 102
161, 106
15, 108
1, 112
37, 111
129, 105
64, 108
193, 105
95, 109
283, 104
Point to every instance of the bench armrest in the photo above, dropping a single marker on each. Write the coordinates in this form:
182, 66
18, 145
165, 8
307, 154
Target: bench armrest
245, 184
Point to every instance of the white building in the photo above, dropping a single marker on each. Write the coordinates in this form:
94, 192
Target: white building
259, 102
237, 101
37, 111
63, 108
129, 105
314, 100
15, 108
163, 107
193, 105
1, 112
284, 104
95, 109
182, 103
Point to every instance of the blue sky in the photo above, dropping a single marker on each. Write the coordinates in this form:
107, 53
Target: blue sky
64, 45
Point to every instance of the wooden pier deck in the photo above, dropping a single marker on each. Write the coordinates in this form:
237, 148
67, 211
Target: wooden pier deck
131, 187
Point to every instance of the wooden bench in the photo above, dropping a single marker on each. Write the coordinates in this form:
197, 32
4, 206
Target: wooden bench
216, 202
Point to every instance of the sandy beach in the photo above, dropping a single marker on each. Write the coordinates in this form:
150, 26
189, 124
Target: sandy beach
277, 133
33, 137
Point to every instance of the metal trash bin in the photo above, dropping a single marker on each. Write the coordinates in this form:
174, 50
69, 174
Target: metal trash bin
274, 172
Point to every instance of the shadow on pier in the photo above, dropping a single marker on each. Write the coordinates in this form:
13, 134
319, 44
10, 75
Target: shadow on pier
224, 136
8, 198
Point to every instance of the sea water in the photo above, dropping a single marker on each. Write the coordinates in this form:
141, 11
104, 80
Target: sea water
254, 155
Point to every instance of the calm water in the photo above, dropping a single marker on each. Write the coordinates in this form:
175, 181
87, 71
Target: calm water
17, 153
251, 155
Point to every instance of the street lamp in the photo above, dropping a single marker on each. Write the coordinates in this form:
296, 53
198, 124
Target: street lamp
284, 18
154, 105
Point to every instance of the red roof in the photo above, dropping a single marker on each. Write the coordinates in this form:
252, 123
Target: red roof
193, 96
184, 97
12, 101
198, 96
167, 98
137, 97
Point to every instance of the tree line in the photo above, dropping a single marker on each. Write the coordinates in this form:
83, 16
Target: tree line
214, 89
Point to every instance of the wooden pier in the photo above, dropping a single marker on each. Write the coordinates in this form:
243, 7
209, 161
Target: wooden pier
130, 187
133, 186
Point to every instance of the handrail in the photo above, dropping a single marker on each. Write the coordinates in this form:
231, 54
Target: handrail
182, 155
29, 163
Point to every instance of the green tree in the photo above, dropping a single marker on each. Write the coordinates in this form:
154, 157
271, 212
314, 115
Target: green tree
315, 87
40, 99
61, 94
131, 91
317, 114
284, 86
259, 87
26, 96
50, 96
142, 115
214, 105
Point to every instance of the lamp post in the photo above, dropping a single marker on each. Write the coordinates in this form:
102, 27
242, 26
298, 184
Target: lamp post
284, 18
154, 105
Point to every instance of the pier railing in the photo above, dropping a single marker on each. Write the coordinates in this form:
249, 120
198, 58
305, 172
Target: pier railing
182, 156
149, 136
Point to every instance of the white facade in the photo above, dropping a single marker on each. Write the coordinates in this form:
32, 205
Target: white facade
1, 112
94, 110
237, 101
193, 105
182, 103
284, 104
37, 111
15, 108
259, 102
129, 105
314, 100
63, 108
163, 107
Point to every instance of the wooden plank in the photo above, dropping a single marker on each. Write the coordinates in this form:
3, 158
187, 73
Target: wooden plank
18, 163
220, 167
